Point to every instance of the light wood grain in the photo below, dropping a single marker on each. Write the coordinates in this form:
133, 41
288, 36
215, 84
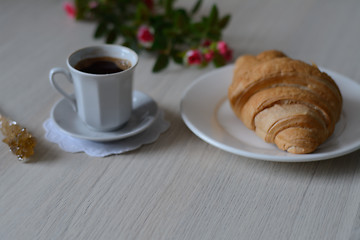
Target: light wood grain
178, 187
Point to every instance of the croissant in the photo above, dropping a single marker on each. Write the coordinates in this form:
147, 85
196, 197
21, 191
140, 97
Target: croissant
285, 101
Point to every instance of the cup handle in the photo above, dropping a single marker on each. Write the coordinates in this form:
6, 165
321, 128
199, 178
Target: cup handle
53, 72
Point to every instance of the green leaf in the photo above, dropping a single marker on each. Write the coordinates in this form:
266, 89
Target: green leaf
198, 27
214, 34
169, 7
214, 15
161, 63
224, 21
196, 7
81, 8
142, 13
219, 60
100, 30
130, 43
160, 42
178, 57
127, 31
181, 19
112, 36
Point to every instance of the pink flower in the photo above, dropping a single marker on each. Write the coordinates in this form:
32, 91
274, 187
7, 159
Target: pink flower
222, 47
228, 55
145, 36
70, 9
224, 50
209, 55
193, 57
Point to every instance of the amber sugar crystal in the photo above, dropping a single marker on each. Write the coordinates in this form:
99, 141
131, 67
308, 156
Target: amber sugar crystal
20, 141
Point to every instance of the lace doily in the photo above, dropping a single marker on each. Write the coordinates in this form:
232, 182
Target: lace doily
102, 149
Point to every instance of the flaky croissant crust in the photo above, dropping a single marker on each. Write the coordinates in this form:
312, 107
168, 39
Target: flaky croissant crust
285, 101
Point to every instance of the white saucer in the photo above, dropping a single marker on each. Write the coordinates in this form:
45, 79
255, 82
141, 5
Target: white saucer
144, 113
206, 111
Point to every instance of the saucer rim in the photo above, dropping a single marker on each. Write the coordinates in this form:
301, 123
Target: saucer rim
113, 137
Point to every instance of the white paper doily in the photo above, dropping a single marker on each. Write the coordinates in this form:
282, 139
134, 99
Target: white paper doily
103, 149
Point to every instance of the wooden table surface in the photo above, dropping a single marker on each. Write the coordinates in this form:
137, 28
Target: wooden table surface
178, 187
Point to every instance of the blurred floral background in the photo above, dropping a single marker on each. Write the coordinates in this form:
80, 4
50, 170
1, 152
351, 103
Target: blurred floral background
157, 26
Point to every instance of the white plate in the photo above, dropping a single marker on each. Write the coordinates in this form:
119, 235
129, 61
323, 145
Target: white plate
205, 109
143, 115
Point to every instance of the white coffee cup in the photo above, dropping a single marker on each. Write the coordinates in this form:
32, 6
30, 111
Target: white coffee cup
102, 101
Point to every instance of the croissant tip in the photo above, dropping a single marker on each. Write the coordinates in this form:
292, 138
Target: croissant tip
299, 150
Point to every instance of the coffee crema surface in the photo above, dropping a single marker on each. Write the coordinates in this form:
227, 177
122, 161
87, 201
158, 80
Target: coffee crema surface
102, 65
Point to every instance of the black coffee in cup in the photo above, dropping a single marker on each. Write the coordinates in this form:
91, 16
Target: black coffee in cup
102, 65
